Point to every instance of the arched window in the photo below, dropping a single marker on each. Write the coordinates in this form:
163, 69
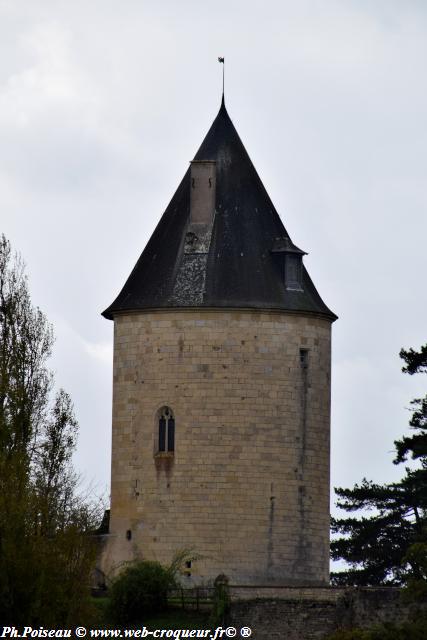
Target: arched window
166, 431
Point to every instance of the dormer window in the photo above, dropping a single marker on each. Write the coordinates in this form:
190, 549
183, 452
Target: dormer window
293, 272
290, 258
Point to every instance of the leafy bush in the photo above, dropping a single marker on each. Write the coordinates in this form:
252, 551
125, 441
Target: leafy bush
46, 550
413, 630
349, 634
221, 600
139, 589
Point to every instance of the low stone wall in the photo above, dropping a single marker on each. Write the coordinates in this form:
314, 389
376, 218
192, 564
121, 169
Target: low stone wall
312, 613
239, 592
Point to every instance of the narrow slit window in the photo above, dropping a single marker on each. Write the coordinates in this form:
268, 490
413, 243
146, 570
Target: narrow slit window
162, 434
166, 431
303, 358
171, 434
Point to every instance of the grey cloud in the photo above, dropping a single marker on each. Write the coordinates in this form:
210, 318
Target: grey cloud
101, 108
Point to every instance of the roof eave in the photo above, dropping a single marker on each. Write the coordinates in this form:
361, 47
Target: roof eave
110, 314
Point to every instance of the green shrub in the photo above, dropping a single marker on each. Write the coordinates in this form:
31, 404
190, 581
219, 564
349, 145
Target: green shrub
413, 630
221, 600
139, 589
349, 634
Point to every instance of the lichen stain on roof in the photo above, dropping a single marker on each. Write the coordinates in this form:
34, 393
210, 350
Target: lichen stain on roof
190, 282
229, 264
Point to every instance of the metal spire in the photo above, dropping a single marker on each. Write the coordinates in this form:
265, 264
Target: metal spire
223, 73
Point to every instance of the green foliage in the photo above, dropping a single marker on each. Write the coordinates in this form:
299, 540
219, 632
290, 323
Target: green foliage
349, 634
386, 548
221, 600
415, 630
171, 618
416, 361
141, 588
415, 589
177, 619
46, 554
180, 558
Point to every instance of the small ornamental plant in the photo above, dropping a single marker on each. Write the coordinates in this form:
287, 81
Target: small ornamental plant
139, 589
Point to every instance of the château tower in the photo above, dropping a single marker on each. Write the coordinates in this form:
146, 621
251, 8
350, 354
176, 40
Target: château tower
221, 397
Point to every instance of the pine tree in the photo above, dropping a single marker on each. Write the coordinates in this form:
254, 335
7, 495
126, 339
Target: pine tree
390, 546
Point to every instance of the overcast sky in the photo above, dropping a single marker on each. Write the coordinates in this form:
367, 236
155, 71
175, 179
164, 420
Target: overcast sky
102, 105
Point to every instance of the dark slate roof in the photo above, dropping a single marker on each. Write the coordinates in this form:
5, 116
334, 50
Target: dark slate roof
285, 245
241, 267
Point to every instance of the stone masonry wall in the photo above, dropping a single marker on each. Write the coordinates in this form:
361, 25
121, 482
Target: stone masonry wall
247, 487
315, 614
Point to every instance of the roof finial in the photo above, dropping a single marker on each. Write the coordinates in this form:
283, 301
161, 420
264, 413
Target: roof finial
223, 71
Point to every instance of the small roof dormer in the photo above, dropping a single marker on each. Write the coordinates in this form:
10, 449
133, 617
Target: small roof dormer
290, 261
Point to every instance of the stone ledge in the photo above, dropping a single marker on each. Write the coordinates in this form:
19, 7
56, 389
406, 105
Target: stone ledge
261, 592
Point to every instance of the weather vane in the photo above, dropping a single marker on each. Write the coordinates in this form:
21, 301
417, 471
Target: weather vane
223, 67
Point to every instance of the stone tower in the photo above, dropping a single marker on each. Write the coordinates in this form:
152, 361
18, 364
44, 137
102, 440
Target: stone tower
221, 400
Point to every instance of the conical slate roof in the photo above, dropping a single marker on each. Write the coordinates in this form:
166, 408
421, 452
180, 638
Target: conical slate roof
240, 265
